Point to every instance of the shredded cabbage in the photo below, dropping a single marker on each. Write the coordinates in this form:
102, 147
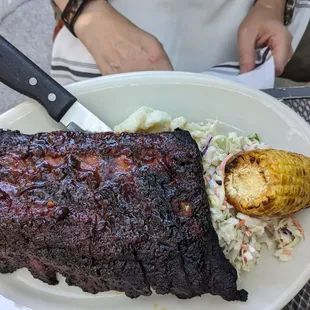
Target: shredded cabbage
241, 237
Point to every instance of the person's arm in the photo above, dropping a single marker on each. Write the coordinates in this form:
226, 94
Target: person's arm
264, 27
116, 44
61, 4
277, 5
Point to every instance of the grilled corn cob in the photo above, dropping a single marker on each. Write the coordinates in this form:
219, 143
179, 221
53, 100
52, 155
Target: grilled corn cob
268, 182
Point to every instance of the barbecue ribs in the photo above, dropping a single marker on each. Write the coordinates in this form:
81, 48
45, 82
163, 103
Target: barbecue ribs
124, 212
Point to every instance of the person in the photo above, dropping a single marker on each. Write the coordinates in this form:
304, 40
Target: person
119, 36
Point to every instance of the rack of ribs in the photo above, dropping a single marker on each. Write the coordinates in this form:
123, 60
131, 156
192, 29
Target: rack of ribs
124, 212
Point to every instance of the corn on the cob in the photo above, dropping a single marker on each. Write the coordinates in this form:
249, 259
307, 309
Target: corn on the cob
268, 182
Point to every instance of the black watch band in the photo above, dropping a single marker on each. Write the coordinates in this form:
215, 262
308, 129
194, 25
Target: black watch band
71, 13
289, 11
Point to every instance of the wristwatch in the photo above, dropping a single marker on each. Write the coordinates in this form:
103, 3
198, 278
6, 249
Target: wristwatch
289, 11
71, 13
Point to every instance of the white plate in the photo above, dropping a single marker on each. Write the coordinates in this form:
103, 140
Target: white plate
271, 284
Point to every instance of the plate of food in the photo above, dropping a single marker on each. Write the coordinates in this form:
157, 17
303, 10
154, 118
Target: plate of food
196, 200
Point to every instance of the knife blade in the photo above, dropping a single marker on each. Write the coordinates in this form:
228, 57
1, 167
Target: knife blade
300, 92
19, 73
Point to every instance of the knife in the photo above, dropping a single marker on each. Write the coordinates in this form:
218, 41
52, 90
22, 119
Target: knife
19, 73
300, 92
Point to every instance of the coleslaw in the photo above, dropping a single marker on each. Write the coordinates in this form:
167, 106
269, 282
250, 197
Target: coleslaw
241, 237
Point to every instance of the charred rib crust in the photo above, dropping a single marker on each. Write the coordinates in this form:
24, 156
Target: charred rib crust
123, 212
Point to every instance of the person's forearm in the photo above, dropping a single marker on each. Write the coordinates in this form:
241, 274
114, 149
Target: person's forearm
116, 44
92, 8
61, 4
276, 5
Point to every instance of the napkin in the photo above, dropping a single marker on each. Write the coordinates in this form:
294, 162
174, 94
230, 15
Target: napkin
262, 77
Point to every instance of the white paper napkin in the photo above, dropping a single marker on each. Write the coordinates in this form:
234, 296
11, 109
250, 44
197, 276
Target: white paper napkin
263, 77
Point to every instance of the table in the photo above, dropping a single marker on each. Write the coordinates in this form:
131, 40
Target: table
302, 299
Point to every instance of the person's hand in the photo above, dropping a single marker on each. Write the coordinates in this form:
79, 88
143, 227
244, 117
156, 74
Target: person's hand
264, 27
116, 44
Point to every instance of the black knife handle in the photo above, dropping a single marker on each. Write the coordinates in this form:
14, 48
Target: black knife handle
19, 73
